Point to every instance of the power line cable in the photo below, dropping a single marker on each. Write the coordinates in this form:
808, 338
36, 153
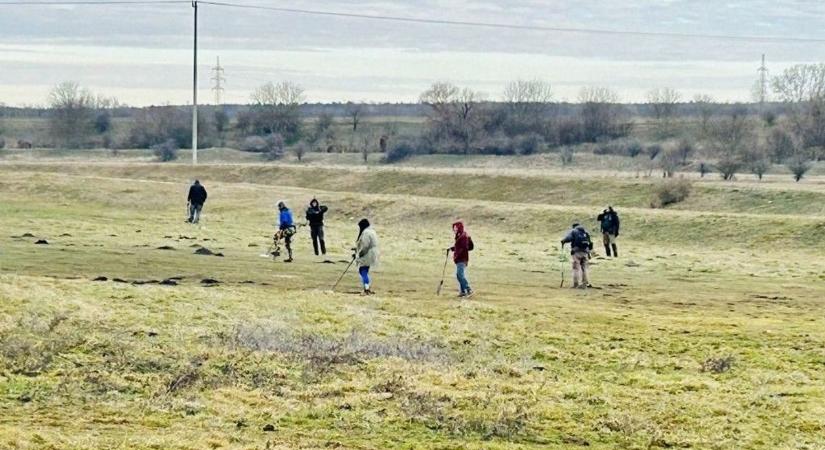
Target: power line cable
92, 3
465, 23
520, 27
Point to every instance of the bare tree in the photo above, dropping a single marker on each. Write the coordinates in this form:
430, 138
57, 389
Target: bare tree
664, 101
300, 150
798, 166
669, 161
758, 161
284, 93
276, 109
781, 144
321, 129
455, 114
731, 137
72, 115
803, 86
354, 111
601, 114
527, 107
705, 107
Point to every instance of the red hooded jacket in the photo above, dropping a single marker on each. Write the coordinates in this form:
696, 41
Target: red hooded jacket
461, 250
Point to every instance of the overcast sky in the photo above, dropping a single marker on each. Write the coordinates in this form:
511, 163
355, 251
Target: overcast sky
142, 54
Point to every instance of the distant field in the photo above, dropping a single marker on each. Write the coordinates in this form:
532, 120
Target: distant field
707, 332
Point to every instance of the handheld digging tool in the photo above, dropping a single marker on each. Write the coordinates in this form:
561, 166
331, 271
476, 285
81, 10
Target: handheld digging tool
443, 273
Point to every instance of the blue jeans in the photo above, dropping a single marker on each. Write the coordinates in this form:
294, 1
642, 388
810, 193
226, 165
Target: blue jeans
194, 212
463, 284
364, 271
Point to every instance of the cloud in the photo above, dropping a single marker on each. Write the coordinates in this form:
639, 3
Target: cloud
99, 43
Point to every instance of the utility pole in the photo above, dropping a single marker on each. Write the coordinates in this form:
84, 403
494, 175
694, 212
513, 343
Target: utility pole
195, 90
763, 81
218, 79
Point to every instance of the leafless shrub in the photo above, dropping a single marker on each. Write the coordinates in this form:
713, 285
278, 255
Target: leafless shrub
437, 412
300, 149
256, 144
168, 151
35, 342
670, 192
717, 365
669, 161
350, 349
798, 166
566, 155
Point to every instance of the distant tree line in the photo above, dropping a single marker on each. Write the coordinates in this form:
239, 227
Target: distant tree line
666, 133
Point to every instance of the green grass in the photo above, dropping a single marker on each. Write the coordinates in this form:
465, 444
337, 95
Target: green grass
522, 365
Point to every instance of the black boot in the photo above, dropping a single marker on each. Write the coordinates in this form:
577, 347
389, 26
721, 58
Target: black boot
607, 250
615, 251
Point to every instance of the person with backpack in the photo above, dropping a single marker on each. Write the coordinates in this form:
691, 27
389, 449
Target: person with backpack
315, 217
366, 253
286, 228
461, 257
609, 222
580, 247
196, 199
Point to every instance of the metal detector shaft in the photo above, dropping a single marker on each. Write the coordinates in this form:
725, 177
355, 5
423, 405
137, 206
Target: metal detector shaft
443, 273
342, 274
561, 261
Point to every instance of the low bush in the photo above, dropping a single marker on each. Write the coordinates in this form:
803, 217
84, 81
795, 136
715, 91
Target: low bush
566, 155
401, 151
529, 144
799, 167
631, 148
254, 144
670, 192
167, 151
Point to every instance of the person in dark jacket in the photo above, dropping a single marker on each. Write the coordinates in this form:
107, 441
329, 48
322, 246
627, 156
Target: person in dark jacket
315, 217
461, 258
196, 199
286, 227
609, 223
580, 247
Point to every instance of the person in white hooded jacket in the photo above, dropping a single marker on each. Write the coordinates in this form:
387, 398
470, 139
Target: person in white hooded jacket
366, 253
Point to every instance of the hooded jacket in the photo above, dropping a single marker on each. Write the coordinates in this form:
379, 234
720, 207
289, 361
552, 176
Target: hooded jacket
285, 219
609, 222
315, 213
366, 249
461, 248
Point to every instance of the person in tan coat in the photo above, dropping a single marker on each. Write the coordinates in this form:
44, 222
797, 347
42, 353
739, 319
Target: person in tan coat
366, 253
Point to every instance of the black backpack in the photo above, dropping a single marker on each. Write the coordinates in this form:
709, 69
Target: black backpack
470, 245
581, 240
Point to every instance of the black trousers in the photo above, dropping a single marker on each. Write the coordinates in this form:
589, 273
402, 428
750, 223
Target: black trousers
317, 233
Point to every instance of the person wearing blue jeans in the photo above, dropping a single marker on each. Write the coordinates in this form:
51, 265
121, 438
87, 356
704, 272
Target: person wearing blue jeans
366, 253
364, 271
461, 257
463, 284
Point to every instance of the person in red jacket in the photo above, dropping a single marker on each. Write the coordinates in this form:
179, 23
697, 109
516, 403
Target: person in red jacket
461, 257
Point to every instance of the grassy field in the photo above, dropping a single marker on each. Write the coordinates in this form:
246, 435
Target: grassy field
707, 333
